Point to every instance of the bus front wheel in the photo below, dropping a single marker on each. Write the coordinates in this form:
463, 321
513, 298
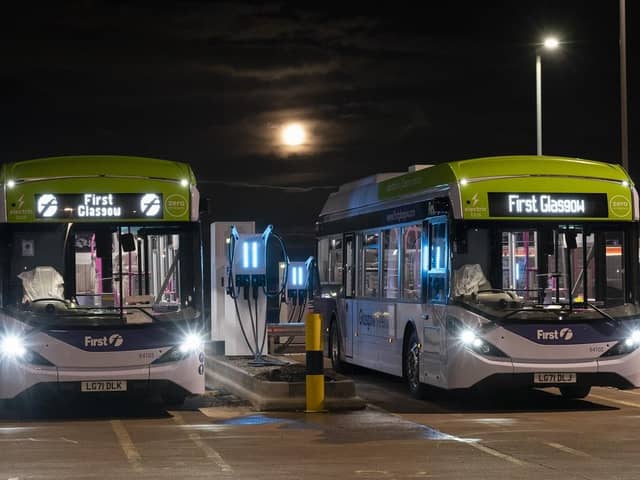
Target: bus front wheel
412, 366
335, 351
173, 399
575, 391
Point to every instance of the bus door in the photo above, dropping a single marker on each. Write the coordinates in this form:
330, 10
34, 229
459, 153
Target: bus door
436, 266
349, 283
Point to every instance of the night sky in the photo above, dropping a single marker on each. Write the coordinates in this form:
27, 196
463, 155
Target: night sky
379, 86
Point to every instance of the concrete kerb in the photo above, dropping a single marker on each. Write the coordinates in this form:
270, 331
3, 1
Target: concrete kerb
267, 395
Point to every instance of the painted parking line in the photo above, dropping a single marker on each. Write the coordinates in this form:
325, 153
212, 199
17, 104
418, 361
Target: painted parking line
569, 450
130, 450
626, 403
467, 441
496, 453
209, 452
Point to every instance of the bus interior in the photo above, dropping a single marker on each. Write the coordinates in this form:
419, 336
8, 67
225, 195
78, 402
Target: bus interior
508, 270
98, 274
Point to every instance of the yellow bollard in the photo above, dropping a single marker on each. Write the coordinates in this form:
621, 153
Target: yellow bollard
315, 370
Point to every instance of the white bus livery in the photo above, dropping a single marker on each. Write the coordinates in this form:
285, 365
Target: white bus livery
100, 278
494, 272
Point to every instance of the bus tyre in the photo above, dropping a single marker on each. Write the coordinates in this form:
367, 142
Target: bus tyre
411, 367
335, 350
575, 391
173, 399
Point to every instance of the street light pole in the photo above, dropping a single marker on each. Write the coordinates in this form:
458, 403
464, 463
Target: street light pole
550, 43
624, 135
538, 104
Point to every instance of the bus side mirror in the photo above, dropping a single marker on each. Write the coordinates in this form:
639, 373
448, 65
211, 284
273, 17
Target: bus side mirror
103, 244
548, 246
206, 205
570, 238
127, 242
460, 244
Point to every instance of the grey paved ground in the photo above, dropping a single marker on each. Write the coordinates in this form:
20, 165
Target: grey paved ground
537, 436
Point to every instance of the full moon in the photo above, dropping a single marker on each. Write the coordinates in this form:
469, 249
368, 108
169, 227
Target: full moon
293, 134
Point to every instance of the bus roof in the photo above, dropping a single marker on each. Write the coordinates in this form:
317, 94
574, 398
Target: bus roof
95, 166
91, 188
499, 174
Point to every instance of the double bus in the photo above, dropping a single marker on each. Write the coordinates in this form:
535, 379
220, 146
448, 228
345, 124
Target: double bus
513, 271
100, 278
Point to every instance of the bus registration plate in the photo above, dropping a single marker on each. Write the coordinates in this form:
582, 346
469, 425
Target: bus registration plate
554, 377
104, 386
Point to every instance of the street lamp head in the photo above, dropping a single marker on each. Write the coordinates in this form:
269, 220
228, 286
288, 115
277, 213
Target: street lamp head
551, 43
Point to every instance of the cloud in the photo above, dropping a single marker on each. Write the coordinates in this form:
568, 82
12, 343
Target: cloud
277, 73
283, 188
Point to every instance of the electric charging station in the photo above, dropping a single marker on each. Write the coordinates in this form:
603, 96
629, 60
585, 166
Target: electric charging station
226, 334
294, 307
298, 289
247, 286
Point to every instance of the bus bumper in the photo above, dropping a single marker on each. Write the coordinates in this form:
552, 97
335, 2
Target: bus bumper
469, 369
186, 375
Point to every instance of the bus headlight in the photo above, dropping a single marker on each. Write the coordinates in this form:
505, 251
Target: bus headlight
625, 346
12, 346
472, 341
633, 339
468, 337
191, 343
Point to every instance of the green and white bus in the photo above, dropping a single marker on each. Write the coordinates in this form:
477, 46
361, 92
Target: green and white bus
100, 277
515, 271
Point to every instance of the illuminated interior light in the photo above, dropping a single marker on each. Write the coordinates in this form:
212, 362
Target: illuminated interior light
438, 257
254, 254
245, 255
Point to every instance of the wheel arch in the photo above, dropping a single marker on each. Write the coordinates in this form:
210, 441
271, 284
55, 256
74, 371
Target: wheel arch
409, 328
333, 320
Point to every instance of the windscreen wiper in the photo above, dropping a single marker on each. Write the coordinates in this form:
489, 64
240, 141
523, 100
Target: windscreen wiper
533, 308
141, 309
600, 311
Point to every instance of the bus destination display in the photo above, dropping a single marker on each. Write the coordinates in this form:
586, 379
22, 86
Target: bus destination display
99, 205
548, 205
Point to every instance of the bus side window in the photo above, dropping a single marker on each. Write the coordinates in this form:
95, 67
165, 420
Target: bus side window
390, 263
412, 266
369, 264
437, 261
323, 260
